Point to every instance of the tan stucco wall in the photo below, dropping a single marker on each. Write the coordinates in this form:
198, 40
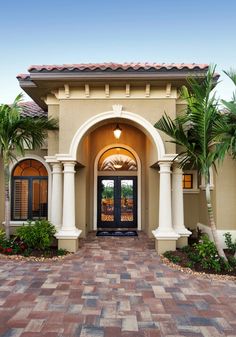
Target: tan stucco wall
73, 113
191, 210
80, 200
53, 140
151, 191
225, 182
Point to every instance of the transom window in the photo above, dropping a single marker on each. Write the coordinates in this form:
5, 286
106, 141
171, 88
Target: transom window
187, 181
29, 191
117, 159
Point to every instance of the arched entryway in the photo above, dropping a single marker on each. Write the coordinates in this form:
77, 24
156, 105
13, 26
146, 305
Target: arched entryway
78, 192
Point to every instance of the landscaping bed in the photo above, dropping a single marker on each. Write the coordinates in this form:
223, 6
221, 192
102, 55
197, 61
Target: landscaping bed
33, 241
202, 257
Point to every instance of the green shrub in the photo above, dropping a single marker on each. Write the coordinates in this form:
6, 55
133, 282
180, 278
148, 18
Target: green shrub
2, 235
194, 257
170, 256
186, 249
229, 243
190, 264
27, 252
38, 235
207, 252
61, 252
232, 261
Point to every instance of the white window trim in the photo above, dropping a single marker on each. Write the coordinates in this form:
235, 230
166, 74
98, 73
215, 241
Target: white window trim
46, 165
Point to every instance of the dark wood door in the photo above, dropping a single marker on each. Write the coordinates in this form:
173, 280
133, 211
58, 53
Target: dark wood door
117, 202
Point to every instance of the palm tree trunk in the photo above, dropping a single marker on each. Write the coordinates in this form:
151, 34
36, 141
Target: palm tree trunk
212, 222
7, 200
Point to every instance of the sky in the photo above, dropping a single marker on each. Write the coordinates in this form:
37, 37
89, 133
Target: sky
75, 31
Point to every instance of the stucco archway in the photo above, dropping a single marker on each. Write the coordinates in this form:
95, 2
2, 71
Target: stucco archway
141, 122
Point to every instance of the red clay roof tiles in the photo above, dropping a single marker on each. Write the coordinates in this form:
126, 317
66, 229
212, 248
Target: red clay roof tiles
31, 109
116, 66
112, 67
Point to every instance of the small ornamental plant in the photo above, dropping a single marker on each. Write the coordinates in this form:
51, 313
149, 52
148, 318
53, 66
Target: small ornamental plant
38, 235
10, 246
229, 242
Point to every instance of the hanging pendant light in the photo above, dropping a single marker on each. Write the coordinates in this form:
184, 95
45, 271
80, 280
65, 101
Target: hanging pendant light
117, 131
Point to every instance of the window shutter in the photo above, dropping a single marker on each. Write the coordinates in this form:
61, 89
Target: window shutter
20, 202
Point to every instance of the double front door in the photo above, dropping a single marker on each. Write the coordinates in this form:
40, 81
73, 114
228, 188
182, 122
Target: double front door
117, 202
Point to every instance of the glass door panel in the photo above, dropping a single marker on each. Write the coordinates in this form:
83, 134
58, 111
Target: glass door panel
117, 202
127, 200
107, 200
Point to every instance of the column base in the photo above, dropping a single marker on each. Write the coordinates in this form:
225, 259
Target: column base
69, 239
162, 246
165, 241
181, 242
71, 245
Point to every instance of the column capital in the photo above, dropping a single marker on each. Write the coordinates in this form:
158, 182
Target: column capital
69, 166
165, 166
56, 168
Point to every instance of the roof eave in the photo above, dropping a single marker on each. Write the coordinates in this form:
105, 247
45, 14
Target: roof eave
68, 76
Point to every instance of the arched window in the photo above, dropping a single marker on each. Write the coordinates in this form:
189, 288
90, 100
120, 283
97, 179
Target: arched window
117, 159
29, 191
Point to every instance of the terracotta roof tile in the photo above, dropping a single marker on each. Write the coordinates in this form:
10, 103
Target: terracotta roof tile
23, 76
116, 66
32, 109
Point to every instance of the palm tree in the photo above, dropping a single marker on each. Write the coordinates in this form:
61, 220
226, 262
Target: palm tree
198, 133
16, 134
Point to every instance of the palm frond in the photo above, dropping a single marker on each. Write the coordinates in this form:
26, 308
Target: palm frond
18, 132
200, 129
231, 73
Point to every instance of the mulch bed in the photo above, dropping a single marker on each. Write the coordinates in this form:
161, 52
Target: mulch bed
37, 255
197, 269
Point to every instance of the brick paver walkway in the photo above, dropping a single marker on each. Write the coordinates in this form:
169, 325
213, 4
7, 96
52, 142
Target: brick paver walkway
112, 287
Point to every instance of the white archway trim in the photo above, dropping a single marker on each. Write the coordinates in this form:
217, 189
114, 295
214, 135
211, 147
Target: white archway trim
146, 126
95, 184
41, 160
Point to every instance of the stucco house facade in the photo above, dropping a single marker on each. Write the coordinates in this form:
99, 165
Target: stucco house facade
85, 178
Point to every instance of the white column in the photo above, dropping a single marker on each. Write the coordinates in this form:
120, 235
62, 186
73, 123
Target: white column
56, 205
165, 229
178, 202
68, 229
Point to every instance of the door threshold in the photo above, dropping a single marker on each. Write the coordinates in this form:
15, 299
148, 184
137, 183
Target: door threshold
117, 229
